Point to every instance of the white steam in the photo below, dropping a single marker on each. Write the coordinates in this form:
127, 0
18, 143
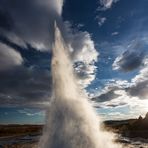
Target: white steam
71, 121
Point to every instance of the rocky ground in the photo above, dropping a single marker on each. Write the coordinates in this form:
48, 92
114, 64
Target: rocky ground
28, 145
20, 136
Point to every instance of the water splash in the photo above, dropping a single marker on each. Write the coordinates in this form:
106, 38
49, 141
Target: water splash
71, 121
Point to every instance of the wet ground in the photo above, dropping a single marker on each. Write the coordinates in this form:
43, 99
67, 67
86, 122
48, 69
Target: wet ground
133, 142
32, 142
19, 141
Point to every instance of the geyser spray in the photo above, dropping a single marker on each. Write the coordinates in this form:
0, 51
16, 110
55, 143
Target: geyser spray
71, 120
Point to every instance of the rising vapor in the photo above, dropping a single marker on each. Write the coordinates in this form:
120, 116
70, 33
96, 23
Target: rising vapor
71, 121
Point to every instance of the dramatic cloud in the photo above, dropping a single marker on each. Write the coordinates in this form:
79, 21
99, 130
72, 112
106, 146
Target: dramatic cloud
131, 59
118, 104
111, 91
26, 36
30, 21
140, 83
120, 93
135, 58
9, 58
25, 87
27, 81
107, 96
83, 54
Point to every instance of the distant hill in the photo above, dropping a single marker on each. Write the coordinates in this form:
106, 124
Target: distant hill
19, 130
130, 128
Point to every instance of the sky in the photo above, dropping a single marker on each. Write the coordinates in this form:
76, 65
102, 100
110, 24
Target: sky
108, 42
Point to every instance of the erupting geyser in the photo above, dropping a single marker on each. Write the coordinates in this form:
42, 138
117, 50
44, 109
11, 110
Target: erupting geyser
71, 121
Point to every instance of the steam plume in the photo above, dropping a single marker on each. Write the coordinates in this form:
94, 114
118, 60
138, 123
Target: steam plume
71, 121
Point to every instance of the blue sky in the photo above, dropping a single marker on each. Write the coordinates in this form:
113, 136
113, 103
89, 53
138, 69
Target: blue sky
21, 116
109, 42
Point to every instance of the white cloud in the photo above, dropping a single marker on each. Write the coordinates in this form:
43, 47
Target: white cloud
32, 23
101, 20
115, 33
140, 83
55, 5
106, 4
124, 105
9, 58
127, 95
143, 74
83, 54
121, 96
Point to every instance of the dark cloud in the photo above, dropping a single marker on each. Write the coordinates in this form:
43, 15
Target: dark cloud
24, 75
26, 26
139, 85
27, 33
135, 57
6, 22
30, 21
117, 104
131, 59
139, 90
30, 55
9, 58
118, 90
104, 97
25, 86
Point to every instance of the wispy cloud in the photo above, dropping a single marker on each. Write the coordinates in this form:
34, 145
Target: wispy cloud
106, 4
31, 112
115, 33
121, 93
101, 20
83, 54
